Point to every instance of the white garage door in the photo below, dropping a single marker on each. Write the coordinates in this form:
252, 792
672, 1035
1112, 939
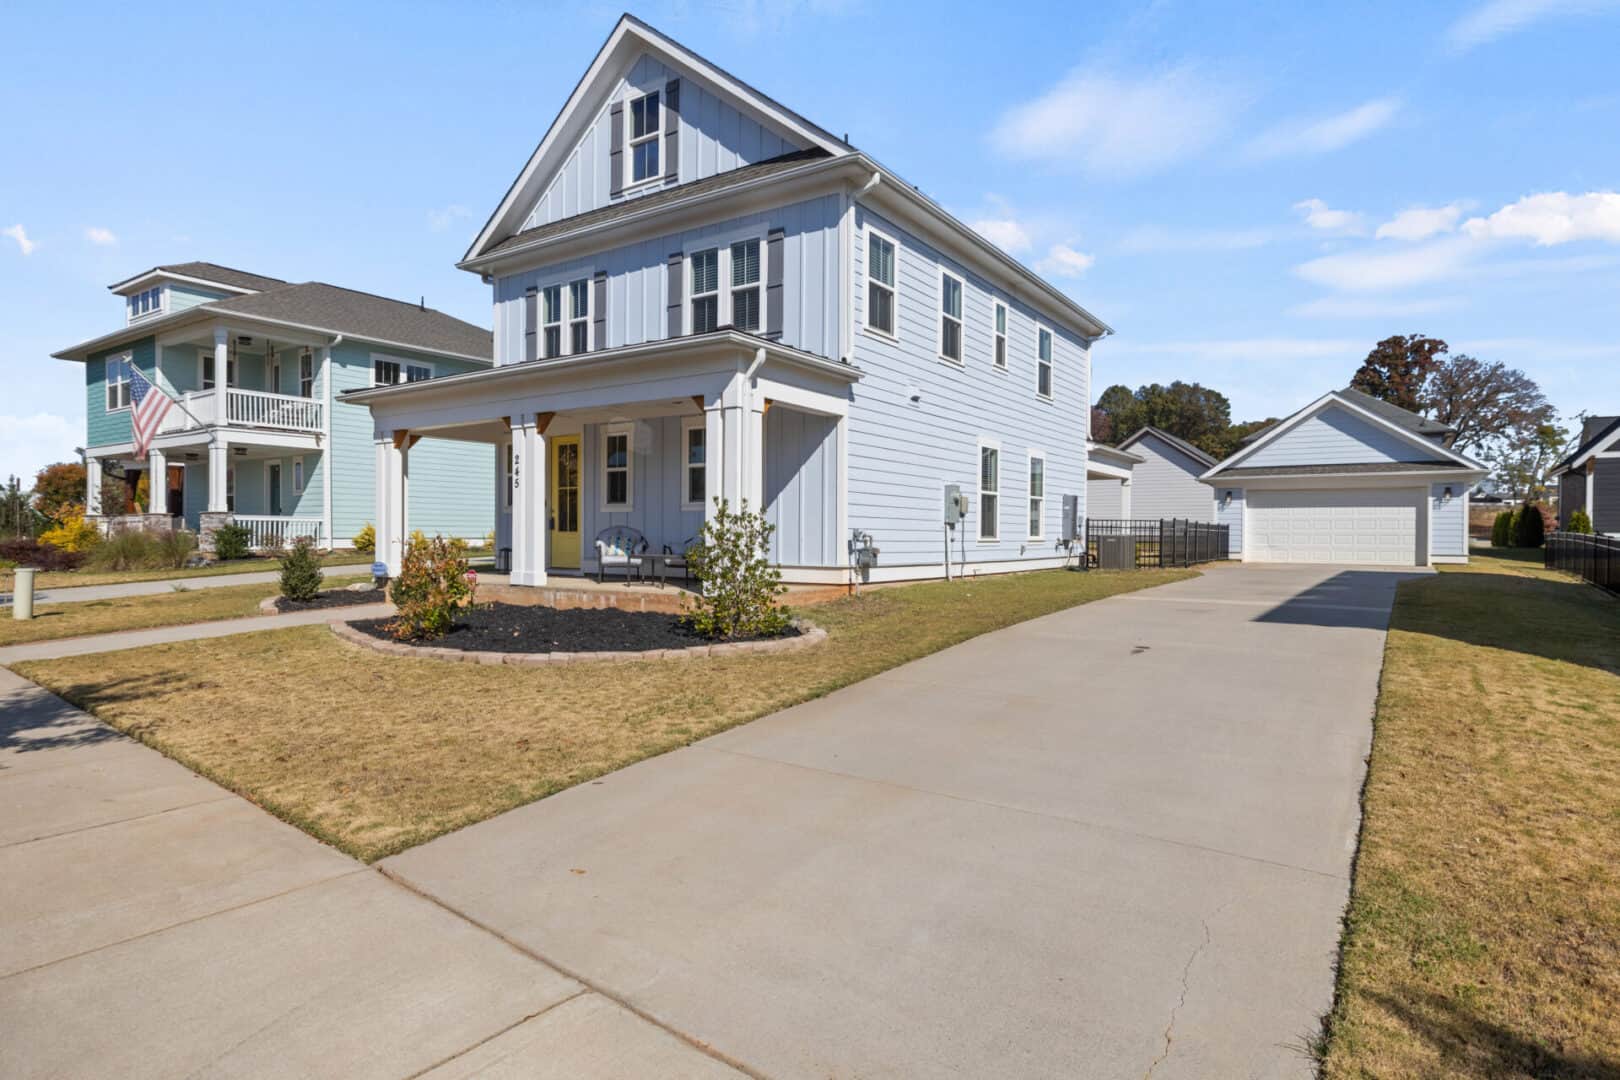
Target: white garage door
1364, 525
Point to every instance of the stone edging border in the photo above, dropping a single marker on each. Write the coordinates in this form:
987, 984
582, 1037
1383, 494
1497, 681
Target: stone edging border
809, 634
267, 606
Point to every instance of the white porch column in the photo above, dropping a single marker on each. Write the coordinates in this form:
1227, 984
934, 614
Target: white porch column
732, 443
330, 541
1125, 499
753, 464
222, 360
714, 455
391, 489
92, 485
529, 524
157, 482
219, 464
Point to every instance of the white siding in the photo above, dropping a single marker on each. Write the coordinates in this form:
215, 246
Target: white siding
1447, 520
1166, 484
1231, 515
1105, 498
1336, 436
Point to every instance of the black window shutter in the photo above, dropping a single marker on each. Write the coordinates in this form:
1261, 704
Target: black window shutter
599, 308
531, 322
672, 129
775, 259
675, 287
616, 152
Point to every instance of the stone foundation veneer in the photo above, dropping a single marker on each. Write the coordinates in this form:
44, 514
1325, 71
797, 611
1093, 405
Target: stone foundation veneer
207, 523
808, 635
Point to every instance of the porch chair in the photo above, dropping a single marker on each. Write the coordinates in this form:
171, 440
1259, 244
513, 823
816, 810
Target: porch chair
619, 546
678, 562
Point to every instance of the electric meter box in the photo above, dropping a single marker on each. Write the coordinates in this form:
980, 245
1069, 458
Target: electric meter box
956, 505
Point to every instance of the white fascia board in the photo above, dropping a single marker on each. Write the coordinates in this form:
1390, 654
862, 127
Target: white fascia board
1333, 481
128, 334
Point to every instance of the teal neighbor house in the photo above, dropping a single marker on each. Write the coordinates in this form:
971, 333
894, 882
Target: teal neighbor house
259, 431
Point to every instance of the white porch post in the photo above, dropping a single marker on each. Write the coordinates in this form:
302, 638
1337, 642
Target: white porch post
219, 463
326, 447
1125, 499
528, 502
157, 482
391, 487
92, 485
222, 360
753, 437
732, 443
714, 455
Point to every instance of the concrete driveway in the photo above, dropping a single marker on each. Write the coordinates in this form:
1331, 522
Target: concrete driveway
1114, 841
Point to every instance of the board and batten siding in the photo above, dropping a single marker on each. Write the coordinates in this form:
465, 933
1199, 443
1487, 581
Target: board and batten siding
801, 487
916, 421
1165, 484
638, 280
1448, 520
714, 138
1335, 436
1230, 514
656, 479
1605, 509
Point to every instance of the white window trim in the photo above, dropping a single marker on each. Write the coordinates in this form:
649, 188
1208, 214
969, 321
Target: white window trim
688, 424
979, 491
720, 244
160, 308
107, 380
631, 142
571, 317
999, 335
960, 320
866, 273
306, 355
206, 354
1042, 328
298, 475
432, 368
728, 288
560, 323
629, 433
1029, 494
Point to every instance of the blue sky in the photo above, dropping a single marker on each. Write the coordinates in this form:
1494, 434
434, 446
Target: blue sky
1250, 196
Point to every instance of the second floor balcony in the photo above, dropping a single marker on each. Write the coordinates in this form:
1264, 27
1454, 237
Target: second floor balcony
236, 407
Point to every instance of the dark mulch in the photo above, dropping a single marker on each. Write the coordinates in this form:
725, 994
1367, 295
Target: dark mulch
521, 628
332, 598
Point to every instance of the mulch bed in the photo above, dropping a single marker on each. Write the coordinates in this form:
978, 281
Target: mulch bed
525, 628
332, 598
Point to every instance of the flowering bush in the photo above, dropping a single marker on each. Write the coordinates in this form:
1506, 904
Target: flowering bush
740, 586
434, 583
71, 533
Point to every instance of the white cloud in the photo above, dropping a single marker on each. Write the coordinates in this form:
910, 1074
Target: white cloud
1318, 215
1355, 307
1008, 234
1151, 239
1420, 222
1116, 126
1555, 217
1498, 18
1064, 261
20, 234
440, 220
29, 443
100, 237
1326, 134
1371, 270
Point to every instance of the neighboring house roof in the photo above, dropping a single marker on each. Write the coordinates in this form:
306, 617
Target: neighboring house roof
327, 309
1180, 444
1113, 453
1597, 433
207, 271
1330, 470
1405, 418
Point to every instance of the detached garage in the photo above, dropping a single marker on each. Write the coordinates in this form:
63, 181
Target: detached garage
1348, 479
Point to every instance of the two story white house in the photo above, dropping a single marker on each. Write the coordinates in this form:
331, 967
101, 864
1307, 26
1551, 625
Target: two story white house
700, 293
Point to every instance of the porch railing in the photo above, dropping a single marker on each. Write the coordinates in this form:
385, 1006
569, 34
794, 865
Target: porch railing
1595, 558
272, 532
255, 408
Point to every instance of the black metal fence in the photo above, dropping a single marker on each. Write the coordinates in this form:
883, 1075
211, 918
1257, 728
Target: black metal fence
1120, 544
1595, 558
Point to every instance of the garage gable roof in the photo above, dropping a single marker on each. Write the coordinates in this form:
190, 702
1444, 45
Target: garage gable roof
1180, 445
1350, 401
1607, 434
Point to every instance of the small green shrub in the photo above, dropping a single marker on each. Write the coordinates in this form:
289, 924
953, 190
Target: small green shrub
232, 542
740, 586
1580, 522
1529, 530
434, 583
1502, 530
23, 551
365, 541
301, 570
173, 549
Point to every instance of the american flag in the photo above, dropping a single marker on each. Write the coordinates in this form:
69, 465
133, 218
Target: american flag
151, 405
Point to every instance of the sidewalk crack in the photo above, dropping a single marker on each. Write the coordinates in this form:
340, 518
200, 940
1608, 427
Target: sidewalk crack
1186, 983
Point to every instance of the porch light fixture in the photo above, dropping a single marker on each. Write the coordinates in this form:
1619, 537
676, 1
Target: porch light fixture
1448, 493
241, 451
1226, 499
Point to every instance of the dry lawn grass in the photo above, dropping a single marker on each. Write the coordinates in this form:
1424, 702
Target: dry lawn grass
376, 753
68, 579
1483, 936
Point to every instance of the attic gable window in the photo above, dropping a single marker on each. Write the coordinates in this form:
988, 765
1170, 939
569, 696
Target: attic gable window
146, 302
644, 131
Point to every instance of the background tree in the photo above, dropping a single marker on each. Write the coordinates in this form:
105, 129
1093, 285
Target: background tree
1231, 440
1102, 426
1521, 467
1120, 409
1485, 402
1397, 369
59, 490
17, 514
1186, 410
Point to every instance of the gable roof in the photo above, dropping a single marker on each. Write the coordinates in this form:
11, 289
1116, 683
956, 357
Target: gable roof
1180, 444
206, 272
1597, 432
1405, 426
630, 38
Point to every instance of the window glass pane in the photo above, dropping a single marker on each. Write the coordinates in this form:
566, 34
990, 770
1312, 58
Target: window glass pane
705, 314
880, 256
1045, 385
951, 297
551, 299
1001, 352
617, 487
617, 451
987, 516
1001, 319
694, 485
579, 299
951, 338
705, 271
1037, 477
1034, 517
579, 340
745, 309
553, 341
880, 307
1046, 345
745, 262
988, 467
695, 446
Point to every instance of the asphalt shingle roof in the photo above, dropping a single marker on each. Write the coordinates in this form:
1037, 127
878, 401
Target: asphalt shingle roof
1180, 444
320, 306
1601, 427
239, 279
1411, 421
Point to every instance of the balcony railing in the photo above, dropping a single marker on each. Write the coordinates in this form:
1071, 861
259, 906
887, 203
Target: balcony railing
245, 408
273, 532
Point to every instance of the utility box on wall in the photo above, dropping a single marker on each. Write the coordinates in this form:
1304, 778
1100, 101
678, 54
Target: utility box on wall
956, 505
1071, 518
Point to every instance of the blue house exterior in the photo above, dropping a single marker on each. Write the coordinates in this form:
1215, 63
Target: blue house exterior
701, 295
271, 444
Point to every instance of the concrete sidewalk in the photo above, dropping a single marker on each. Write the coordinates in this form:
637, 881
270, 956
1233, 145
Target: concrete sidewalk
153, 924
79, 593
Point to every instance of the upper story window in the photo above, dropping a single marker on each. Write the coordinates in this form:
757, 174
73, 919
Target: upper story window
1043, 362
207, 357
306, 373
989, 490
703, 274
551, 320
644, 132
745, 284
118, 382
146, 302
579, 316
1000, 331
386, 372
880, 282
950, 317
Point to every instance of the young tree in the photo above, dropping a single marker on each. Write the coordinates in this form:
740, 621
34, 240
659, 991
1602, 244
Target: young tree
17, 516
1485, 402
59, 490
1397, 369
1522, 467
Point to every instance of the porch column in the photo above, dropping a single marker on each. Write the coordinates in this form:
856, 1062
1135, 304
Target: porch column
714, 447
222, 360
391, 487
219, 464
529, 524
1125, 499
157, 482
753, 464
92, 486
326, 447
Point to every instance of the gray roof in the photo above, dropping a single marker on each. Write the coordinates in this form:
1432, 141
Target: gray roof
320, 306
1411, 421
1180, 444
207, 271
1321, 470
626, 207
1593, 432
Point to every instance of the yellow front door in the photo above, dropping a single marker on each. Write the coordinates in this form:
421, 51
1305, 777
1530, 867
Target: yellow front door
564, 543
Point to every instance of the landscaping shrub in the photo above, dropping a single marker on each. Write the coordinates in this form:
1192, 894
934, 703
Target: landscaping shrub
1502, 530
232, 542
139, 549
301, 570
433, 584
1528, 527
1580, 522
71, 533
23, 551
740, 586
174, 548
365, 541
